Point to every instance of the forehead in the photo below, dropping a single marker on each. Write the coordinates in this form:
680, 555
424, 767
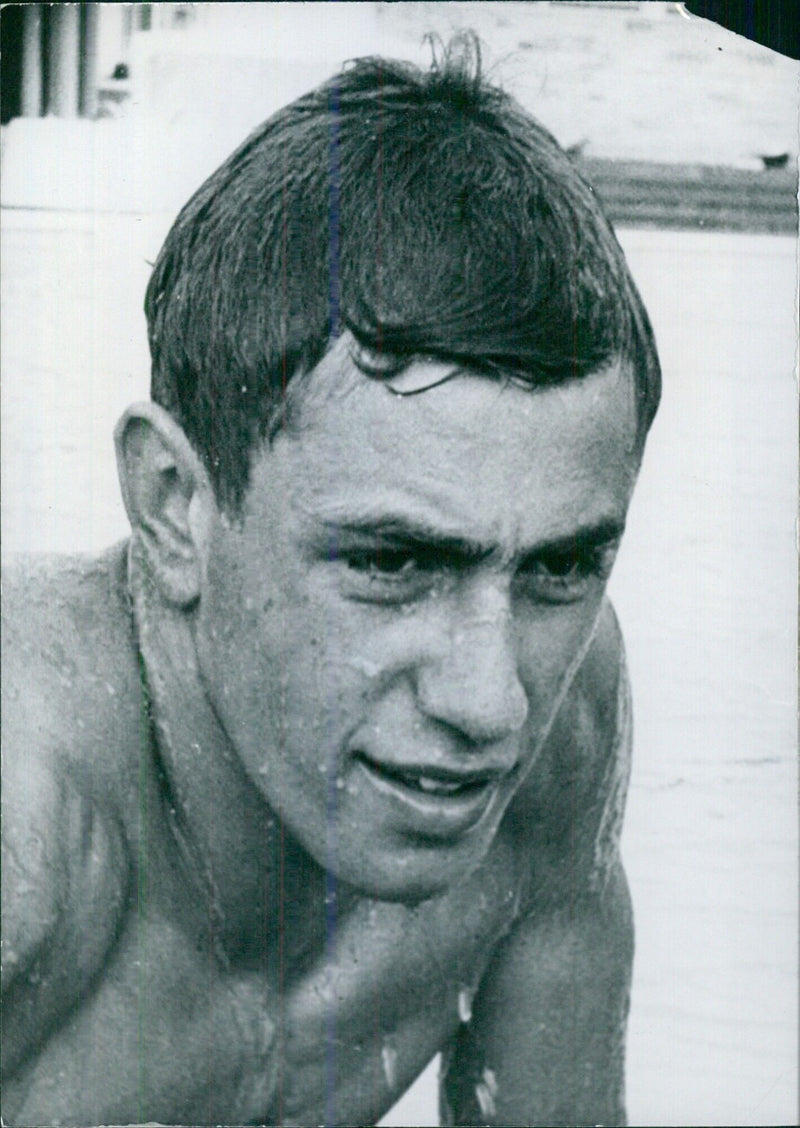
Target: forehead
473, 456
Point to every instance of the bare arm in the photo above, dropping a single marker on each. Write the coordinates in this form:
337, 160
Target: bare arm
64, 867
546, 1044
63, 890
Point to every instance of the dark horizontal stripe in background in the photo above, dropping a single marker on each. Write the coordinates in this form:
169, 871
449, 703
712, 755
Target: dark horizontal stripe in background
704, 197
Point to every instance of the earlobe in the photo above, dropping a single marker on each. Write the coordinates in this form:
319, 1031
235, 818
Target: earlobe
168, 498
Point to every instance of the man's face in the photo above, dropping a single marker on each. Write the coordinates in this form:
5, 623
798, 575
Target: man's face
386, 632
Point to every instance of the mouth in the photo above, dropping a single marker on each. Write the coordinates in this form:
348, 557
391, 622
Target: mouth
433, 801
428, 781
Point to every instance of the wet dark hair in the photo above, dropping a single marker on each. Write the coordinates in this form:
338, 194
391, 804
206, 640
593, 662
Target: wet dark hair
427, 213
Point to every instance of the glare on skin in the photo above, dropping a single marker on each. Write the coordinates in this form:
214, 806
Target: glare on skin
325, 643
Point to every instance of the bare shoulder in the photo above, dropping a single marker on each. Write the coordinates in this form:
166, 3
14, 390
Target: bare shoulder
69, 702
70, 673
569, 813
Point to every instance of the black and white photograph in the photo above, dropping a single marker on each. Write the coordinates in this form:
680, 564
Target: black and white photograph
399, 497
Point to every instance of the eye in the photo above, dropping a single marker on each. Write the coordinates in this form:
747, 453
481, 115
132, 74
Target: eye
390, 573
564, 575
385, 575
382, 563
565, 564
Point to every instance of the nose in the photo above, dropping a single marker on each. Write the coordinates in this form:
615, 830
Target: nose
473, 683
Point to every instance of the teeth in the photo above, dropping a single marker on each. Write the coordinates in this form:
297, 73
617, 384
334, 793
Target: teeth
431, 785
425, 783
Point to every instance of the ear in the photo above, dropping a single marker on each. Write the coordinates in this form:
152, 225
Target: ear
169, 499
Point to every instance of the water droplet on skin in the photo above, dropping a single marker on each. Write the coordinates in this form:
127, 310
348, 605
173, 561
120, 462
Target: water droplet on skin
365, 666
485, 1100
465, 997
389, 1062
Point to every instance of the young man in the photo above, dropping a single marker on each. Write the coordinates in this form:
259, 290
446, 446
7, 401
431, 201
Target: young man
324, 771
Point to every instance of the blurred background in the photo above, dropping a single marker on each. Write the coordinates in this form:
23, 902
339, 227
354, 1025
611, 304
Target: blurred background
113, 114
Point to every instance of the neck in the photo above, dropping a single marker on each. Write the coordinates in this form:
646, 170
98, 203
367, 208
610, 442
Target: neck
257, 880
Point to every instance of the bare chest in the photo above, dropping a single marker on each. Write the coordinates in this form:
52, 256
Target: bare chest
167, 1035
391, 990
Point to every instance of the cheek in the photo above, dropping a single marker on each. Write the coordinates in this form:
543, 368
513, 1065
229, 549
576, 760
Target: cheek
552, 645
236, 631
304, 678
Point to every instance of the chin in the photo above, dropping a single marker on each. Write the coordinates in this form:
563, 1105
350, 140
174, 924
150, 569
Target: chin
408, 879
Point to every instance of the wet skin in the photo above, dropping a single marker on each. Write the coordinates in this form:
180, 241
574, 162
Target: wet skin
410, 610
351, 811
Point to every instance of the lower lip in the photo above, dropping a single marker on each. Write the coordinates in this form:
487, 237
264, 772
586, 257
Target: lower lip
433, 815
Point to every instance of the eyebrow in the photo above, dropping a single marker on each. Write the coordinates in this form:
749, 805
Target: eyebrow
400, 532
585, 539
